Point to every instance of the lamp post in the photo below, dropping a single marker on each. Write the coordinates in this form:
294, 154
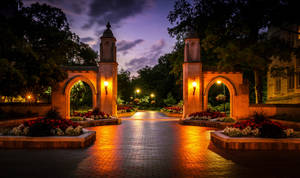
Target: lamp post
105, 86
194, 87
152, 95
137, 91
220, 82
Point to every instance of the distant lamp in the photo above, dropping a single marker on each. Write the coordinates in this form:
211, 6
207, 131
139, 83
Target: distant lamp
152, 95
219, 82
28, 97
138, 91
194, 87
105, 86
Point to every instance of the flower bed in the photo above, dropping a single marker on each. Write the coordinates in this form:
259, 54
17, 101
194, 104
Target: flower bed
258, 127
173, 109
207, 115
125, 109
45, 127
96, 114
50, 142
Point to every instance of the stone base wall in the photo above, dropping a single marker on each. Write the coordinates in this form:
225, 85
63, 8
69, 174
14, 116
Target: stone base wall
275, 109
41, 109
251, 143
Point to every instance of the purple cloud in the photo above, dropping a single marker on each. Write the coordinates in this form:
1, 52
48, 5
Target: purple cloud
124, 46
76, 7
149, 58
86, 39
114, 11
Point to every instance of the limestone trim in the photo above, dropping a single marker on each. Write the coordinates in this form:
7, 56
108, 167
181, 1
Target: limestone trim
71, 81
67, 91
231, 87
229, 84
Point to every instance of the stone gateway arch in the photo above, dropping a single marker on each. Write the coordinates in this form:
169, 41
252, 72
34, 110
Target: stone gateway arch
102, 80
197, 82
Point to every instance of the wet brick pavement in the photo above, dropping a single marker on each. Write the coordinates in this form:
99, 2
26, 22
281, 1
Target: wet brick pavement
149, 145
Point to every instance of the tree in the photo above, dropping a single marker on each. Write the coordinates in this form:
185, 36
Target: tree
35, 42
85, 55
81, 96
124, 85
234, 32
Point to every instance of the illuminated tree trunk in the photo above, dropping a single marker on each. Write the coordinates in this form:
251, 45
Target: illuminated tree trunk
257, 87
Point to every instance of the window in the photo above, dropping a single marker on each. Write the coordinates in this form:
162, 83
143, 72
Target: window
298, 32
291, 79
298, 80
277, 85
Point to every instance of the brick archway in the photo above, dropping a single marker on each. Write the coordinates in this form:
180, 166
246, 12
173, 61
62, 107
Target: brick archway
197, 81
230, 86
68, 87
102, 80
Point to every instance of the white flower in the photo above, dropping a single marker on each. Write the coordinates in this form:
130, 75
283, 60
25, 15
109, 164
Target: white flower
246, 131
16, 131
233, 132
70, 131
289, 132
255, 132
78, 130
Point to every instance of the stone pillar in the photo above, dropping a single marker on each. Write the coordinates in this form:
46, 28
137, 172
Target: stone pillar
107, 74
108, 87
192, 77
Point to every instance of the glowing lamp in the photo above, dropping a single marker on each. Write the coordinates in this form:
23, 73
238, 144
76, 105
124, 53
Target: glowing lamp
194, 87
219, 81
105, 86
138, 91
152, 95
29, 97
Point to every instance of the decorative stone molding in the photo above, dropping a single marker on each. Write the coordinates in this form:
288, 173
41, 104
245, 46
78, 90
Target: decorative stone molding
253, 143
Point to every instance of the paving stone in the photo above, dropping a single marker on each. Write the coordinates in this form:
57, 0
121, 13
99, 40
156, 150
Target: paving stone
149, 148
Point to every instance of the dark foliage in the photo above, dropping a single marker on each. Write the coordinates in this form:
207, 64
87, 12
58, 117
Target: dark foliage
269, 130
39, 130
259, 117
53, 114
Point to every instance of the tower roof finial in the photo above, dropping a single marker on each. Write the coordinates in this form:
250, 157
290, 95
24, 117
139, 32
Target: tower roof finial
108, 33
108, 25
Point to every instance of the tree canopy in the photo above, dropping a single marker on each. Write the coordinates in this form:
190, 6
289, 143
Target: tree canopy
35, 42
235, 34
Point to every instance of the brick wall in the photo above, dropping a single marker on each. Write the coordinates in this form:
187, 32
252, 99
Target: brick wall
275, 109
41, 109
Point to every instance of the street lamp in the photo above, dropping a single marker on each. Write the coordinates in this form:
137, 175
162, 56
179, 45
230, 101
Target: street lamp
137, 91
194, 87
220, 82
152, 95
105, 86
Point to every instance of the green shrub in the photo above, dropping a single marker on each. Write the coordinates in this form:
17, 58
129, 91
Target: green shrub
53, 114
268, 130
39, 130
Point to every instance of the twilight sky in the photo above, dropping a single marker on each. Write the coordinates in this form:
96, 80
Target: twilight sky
140, 26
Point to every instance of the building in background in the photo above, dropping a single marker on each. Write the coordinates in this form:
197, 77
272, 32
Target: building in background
285, 88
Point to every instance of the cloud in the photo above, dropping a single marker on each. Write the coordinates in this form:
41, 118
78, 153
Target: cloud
149, 58
124, 46
114, 11
69, 7
86, 39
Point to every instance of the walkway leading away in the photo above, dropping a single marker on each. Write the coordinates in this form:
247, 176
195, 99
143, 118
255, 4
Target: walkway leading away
149, 148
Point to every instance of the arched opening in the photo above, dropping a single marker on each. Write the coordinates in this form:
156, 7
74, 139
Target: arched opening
81, 99
231, 92
67, 92
219, 98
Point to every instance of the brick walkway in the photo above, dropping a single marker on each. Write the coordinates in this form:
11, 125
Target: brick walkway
148, 148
